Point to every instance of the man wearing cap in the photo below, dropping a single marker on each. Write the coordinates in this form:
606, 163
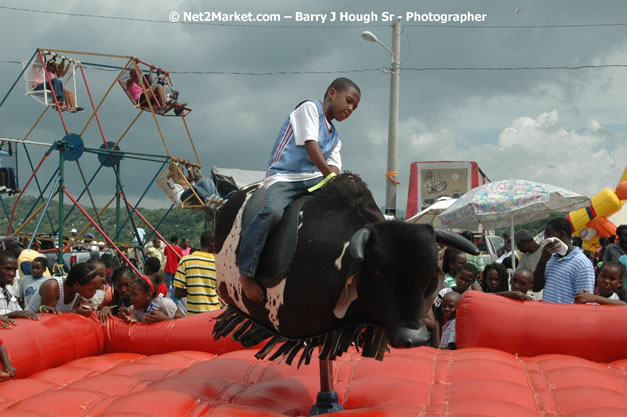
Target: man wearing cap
531, 250
73, 242
88, 243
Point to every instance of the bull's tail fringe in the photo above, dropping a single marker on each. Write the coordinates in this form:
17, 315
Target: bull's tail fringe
372, 340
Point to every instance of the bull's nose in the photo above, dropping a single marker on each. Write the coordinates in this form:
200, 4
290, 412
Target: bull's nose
405, 338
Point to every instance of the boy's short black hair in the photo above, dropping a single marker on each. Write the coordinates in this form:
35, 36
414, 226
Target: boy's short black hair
616, 264
207, 239
468, 267
561, 224
523, 270
450, 254
340, 84
40, 259
152, 265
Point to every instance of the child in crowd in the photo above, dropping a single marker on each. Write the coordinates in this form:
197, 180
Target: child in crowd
449, 309
451, 262
495, 278
465, 279
9, 371
306, 154
9, 307
71, 295
123, 278
610, 279
522, 285
29, 284
101, 271
148, 307
152, 268
185, 246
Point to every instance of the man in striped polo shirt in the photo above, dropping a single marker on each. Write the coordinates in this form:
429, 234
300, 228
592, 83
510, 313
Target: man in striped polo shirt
562, 276
196, 278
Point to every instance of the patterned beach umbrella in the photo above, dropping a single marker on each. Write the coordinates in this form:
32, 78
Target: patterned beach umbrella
501, 203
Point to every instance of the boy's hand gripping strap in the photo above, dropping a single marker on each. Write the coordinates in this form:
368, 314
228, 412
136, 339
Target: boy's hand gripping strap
322, 183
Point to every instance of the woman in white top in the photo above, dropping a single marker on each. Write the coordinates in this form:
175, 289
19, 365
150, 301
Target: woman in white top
56, 295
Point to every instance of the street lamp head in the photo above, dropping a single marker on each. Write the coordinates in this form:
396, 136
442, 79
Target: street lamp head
369, 36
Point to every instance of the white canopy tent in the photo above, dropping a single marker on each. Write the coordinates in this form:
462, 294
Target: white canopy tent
431, 214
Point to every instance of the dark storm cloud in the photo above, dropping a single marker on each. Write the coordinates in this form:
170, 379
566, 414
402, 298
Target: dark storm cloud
235, 117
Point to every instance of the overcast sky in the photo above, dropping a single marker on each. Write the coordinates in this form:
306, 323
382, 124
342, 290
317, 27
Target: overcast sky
560, 126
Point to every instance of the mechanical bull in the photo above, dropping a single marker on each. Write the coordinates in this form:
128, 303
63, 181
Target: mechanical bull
335, 273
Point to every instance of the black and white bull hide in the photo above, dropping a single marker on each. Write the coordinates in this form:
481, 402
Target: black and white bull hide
354, 278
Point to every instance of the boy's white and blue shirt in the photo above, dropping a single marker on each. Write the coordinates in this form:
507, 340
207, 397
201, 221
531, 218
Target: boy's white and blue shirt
566, 276
8, 302
289, 160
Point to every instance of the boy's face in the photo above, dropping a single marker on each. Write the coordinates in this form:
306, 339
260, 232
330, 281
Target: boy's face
493, 281
123, 287
7, 271
522, 282
37, 269
449, 306
609, 280
343, 102
101, 271
464, 280
140, 298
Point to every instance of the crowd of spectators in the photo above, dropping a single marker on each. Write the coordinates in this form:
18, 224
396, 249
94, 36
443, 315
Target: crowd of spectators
180, 280
553, 269
96, 287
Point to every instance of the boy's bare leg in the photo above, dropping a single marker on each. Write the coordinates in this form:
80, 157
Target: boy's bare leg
251, 288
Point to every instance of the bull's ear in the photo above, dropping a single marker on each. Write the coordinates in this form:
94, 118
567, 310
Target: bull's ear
358, 243
449, 238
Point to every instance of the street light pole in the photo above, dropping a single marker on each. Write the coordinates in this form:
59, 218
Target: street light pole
390, 180
391, 183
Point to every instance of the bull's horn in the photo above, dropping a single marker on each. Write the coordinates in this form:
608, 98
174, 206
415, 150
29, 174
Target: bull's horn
358, 243
453, 239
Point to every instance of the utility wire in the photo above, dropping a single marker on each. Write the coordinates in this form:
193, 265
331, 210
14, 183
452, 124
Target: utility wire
320, 26
430, 69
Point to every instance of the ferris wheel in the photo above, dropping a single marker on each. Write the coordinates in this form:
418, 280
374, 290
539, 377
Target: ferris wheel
56, 79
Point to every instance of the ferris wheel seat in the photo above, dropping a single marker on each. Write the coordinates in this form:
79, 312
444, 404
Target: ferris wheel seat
38, 93
44, 96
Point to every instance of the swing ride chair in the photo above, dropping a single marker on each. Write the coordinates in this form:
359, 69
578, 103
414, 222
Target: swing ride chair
72, 147
172, 178
8, 171
143, 70
35, 74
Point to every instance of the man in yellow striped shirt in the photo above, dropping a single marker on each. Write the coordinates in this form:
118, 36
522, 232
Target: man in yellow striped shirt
196, 278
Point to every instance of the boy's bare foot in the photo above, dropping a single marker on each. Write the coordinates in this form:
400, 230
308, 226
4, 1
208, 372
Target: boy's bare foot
252, 290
